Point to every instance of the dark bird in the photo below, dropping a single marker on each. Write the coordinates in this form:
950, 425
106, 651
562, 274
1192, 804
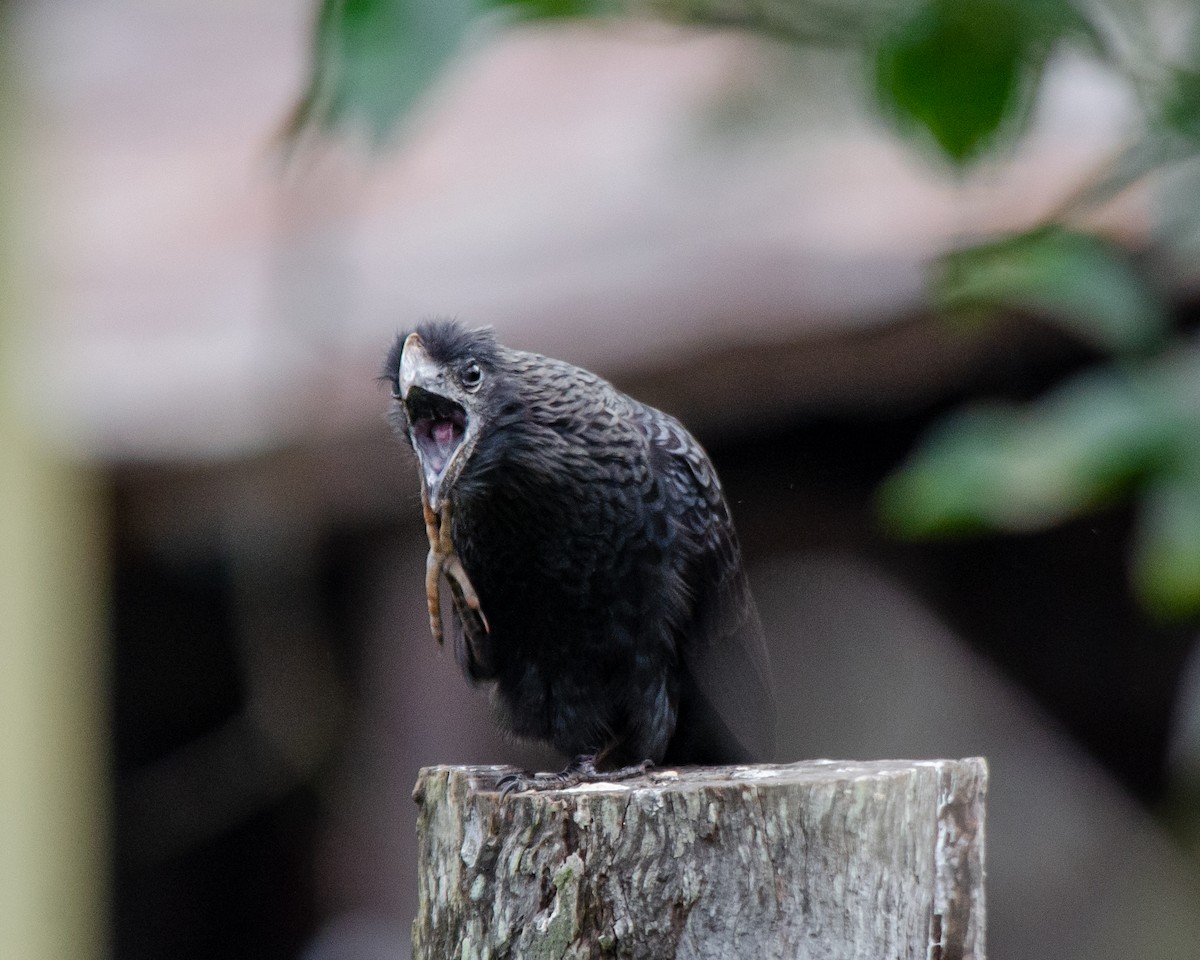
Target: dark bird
595, 574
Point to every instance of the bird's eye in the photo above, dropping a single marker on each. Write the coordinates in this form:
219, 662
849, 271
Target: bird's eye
471, 375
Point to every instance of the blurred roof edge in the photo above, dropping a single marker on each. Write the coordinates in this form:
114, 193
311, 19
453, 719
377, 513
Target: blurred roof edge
576, 187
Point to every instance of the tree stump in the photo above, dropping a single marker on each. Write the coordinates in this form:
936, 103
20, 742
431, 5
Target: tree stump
814, 860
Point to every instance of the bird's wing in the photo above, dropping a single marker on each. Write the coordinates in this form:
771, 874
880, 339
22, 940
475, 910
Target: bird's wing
723, 650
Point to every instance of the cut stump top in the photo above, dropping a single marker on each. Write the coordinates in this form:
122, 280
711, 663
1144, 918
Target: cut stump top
820, 859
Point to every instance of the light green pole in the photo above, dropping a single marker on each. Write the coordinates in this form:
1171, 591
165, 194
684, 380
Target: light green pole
53, 724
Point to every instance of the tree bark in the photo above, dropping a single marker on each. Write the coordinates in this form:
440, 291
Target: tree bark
811, 860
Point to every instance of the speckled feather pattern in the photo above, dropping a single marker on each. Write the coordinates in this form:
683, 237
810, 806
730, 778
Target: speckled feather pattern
603, 552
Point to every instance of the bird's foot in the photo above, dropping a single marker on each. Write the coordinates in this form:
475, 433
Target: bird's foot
581, 769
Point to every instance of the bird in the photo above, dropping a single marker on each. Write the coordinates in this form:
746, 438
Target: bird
596, 578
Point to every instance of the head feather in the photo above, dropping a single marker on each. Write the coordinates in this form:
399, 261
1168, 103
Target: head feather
448, 342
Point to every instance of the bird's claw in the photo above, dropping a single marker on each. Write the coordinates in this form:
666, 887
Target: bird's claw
521, 781
581, 769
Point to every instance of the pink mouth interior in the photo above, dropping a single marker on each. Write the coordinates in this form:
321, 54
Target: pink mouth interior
443, 433
439, 438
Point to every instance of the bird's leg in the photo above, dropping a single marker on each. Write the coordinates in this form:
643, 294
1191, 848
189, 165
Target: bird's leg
443, 559
581, 769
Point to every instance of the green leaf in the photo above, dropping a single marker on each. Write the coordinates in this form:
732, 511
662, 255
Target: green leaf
372, 58
1180, 110
946, 488
1098, 436
1026, 469
954, 68
1079, 280
1167, 558
551, 9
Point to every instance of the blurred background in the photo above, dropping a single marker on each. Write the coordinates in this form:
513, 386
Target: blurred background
922, 275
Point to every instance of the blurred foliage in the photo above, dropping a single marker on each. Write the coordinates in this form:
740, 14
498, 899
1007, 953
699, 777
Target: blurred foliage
371, 60
1093, 439
549, 9
958, 70
1130, 427
959, 76
1081, 280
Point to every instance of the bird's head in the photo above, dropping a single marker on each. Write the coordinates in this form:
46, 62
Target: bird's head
440, 375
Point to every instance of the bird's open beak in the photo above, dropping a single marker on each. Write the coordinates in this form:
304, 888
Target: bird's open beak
439, 425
